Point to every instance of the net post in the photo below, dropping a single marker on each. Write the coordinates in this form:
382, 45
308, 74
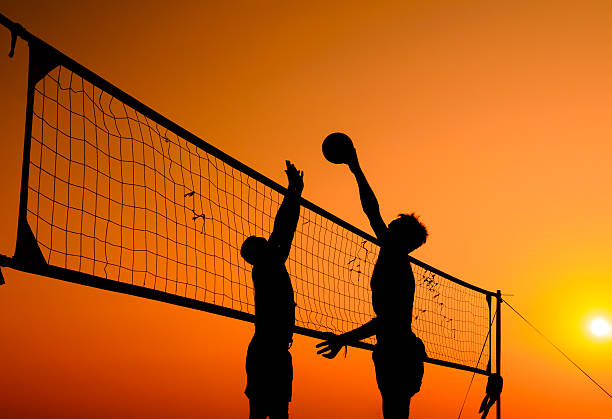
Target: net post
489, 298
498, 348
41, 62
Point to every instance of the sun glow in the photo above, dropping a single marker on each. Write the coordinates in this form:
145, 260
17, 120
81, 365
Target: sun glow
600, 327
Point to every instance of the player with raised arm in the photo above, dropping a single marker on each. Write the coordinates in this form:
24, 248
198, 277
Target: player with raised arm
398, 355
269, 366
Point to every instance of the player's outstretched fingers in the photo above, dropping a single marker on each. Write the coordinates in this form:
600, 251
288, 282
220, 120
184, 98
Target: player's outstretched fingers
324, 351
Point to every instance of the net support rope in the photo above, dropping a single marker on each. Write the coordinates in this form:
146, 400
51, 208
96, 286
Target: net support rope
587, 375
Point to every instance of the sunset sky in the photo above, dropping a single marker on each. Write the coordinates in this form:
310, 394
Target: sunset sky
492, 122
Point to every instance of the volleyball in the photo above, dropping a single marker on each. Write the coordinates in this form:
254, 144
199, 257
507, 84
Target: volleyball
337, 148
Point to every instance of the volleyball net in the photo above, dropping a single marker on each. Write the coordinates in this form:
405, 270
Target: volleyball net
116, 196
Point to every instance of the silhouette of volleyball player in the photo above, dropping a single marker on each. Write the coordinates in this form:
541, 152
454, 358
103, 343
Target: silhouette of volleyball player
398, 355
268, 363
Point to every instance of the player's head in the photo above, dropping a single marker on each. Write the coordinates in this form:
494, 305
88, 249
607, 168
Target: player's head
252, 248
407, 232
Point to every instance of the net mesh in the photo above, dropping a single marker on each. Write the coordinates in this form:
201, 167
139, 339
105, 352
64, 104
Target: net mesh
114, 194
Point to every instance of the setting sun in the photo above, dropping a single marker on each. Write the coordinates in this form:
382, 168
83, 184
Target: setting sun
600, 327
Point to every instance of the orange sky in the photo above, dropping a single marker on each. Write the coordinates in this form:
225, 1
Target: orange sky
492, 122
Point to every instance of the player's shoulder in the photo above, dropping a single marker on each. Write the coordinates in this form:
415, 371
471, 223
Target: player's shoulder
391, 252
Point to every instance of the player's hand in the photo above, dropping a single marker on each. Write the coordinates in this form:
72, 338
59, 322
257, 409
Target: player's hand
331, 347
351, 158
295, 177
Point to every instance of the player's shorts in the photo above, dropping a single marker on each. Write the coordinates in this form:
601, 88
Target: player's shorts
399, 368
269, 375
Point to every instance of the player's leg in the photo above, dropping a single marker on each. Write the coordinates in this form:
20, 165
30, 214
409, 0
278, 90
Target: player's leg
393, 379
280, 411
395, 406
398, 387
255, 387
282, 386
256, 410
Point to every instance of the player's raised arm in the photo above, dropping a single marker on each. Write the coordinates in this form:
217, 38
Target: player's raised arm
369, 203
288, 214
338, 149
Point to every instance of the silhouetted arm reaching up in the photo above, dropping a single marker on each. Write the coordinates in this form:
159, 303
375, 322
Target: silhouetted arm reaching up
369, 203
288, 214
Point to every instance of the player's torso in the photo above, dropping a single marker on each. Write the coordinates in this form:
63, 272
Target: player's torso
274, 301
393, 288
